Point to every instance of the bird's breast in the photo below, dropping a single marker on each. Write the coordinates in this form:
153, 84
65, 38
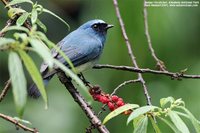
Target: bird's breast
85, 66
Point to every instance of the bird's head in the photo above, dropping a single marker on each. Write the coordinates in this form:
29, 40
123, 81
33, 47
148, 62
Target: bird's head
96, 28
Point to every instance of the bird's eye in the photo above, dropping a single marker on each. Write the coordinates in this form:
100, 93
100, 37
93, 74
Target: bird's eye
95, 26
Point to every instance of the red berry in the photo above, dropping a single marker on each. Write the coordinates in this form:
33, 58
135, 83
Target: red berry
120, 103
115, 98
97, 97
111, 106
120, 99
104, 99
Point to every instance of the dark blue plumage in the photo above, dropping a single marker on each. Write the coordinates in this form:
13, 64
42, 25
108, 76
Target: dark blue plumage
83, 47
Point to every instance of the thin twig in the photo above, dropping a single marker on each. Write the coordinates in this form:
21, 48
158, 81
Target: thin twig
123, 84
160, 63
128, 45
14, 121
5, 2
174, 75
8, 23
82, 103
5, 90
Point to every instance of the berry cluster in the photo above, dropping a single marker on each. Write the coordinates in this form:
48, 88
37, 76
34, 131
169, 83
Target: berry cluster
113, 102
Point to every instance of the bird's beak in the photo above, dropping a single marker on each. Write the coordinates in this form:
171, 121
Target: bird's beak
109, 26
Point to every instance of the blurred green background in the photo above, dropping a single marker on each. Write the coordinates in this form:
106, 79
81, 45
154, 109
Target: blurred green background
175, 34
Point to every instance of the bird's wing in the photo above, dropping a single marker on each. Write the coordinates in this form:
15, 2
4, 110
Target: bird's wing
79, 52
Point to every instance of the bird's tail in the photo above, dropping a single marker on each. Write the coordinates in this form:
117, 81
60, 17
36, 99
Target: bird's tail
33, 90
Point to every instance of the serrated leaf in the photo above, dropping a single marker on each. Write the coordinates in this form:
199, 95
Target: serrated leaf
34, 16
140, 124
42, 50
53, 14
34, 73
164, 101
140, 111
178, 122
18, 81
170, 125
119, 111
13, 2
38, 22
194, 121
19, 28
4, 41
22, 19
155, 125
13, 11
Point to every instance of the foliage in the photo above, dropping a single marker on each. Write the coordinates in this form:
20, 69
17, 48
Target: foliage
25, 40
170, 109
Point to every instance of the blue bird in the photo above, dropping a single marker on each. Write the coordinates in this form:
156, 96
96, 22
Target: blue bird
83, 46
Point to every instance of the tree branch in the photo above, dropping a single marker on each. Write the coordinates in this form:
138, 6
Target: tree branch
128, 45
14, 121
94, 120
12, 21
123, 84
8, 23
174, 75
160, 63
5, 2
5, 90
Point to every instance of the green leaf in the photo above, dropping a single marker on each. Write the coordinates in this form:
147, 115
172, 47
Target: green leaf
23, 36
51, 44
139, 111
179, 102
13, 11
34, 73
42, 50
194, 121
38, 22
4, 41
18, 81
13, 2
164, 101
34, 16
22, 19
53, 14
182, 114
178, 122
119, 111
19, 28
155, 126
140, 124
170, 125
